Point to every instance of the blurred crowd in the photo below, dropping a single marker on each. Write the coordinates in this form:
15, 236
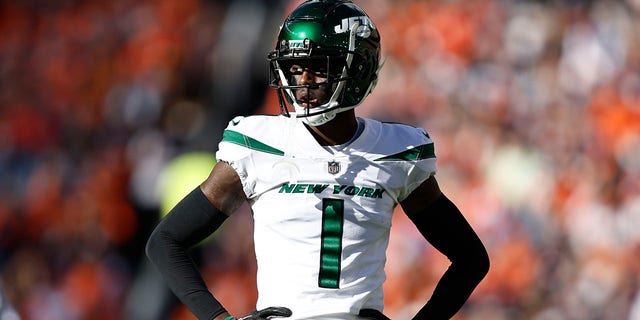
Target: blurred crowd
534, 107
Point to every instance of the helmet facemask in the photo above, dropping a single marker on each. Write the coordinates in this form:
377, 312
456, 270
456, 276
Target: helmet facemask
293, 58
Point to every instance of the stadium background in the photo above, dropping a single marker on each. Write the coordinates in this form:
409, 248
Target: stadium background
534, 107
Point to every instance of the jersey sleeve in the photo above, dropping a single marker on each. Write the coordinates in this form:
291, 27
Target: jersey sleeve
423, 167
236, 155
418, 158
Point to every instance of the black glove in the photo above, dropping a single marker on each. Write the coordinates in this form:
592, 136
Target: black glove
267, 313
372, 314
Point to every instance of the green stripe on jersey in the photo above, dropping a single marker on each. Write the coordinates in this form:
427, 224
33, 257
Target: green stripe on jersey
425, 151
251, 143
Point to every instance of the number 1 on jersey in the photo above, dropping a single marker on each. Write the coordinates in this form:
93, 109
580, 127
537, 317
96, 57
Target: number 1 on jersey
331, 243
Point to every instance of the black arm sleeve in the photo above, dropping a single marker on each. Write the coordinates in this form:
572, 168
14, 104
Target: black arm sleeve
188, 223
444, 226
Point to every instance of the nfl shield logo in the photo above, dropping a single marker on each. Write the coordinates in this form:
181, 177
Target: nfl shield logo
333, 167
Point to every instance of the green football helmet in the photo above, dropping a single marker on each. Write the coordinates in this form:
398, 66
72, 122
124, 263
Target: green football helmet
334, 38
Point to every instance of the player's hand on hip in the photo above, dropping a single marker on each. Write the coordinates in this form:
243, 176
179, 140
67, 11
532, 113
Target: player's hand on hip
266, 313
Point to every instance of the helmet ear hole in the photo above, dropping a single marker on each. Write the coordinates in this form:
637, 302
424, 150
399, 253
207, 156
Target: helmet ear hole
362, 69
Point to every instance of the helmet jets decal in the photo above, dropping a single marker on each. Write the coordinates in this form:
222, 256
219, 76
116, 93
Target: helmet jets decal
339, 44
348, 23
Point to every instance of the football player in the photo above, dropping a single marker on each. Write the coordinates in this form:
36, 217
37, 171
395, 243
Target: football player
322, 185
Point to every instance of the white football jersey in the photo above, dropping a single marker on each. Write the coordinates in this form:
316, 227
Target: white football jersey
322, 215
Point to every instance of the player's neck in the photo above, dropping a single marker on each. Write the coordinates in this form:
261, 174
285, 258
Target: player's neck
337, 131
